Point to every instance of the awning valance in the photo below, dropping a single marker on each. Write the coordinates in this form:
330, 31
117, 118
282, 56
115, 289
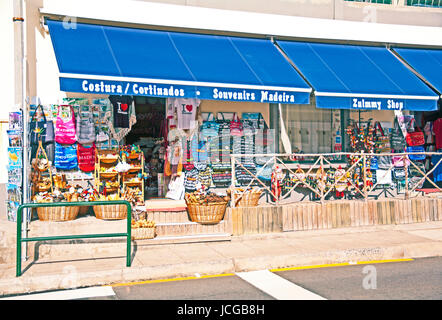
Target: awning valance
359, 77
128, 61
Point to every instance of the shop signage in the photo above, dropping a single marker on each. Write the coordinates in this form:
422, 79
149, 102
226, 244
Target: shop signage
381, 103
384, 104
113, 87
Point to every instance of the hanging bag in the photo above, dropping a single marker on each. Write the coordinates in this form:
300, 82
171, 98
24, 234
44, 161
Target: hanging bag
41, 130
236, 127
86, 128
416, 149
65, 132
397, 140
415, 138
86, 158
382, 142
210, 127
65, 156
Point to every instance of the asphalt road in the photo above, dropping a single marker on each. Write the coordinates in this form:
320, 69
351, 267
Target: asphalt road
420, 279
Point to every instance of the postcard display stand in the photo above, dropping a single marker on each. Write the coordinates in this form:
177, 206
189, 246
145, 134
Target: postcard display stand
15, 165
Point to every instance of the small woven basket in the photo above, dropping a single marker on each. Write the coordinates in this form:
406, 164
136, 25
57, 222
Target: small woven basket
250, 199
143, 233
211, 213
108, 174
57, 213
111, 212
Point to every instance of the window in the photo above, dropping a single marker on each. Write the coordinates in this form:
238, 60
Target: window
310, 130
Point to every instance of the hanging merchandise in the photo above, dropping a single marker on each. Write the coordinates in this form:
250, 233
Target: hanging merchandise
186, 112
397, 139
416, 149
42, 129
85, 128
65, 156
121, 106
236, 128
381, 141
398, 161
65, 132
209, 127
199, 149
415, 138
341, 182
437, 131
190, 180
86, 157
204, 175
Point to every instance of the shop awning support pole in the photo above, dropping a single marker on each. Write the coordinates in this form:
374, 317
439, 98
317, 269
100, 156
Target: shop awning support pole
19, 8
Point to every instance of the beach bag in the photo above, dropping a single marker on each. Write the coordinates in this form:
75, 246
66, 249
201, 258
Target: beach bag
399, 173
383, 162
199, 150
397, 140
41, 130
383, 177
65, 130
381, 141
415, 157
86, 158
415, 138
190, 180
374, 163
209, 127
236, 127
86, 129
398, 161
65, 156
264, 173
224, 122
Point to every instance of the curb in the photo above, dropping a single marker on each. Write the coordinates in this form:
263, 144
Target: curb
30, 284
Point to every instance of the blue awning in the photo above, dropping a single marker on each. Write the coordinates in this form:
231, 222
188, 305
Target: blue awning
358, 77
128, 61
426, 62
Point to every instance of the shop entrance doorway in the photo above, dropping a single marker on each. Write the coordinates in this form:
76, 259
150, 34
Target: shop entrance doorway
148, 133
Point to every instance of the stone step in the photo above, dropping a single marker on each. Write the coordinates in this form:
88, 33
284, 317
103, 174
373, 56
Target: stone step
190, 228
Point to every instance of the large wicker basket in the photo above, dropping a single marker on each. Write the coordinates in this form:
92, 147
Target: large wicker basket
211, 213
57, 213
143, 233
111, 212
249, 199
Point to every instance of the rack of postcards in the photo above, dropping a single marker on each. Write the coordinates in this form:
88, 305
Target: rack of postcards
15, 165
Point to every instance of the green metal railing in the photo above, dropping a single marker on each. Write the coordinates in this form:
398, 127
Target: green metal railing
20, 240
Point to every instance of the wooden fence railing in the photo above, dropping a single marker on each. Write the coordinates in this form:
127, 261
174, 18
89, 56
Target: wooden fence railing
395, 173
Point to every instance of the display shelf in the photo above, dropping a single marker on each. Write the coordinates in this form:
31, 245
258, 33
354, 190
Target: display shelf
136, 160
106, 159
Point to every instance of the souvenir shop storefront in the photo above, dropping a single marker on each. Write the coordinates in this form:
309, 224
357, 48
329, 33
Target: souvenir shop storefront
157, 115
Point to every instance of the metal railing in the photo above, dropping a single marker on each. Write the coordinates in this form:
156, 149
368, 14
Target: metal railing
398, 173
20, 240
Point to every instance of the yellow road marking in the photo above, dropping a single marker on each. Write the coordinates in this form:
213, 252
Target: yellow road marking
172, 279
338, 264
271, 270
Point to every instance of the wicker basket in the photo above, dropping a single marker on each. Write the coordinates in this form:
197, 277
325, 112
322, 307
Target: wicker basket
108, 174
109, 159
57, 213
207, 214
111, 212
249, 199
143, 233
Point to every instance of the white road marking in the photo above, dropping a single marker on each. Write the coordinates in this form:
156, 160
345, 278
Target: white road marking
277, 287
67, 294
